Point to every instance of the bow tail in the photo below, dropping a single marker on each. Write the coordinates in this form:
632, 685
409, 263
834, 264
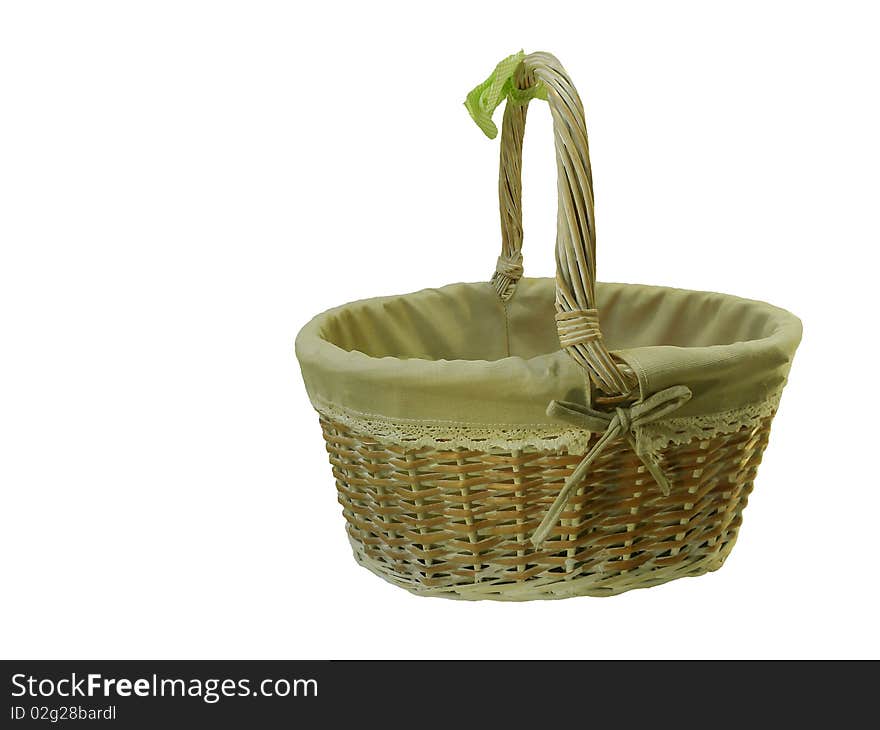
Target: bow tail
551, 518
650, 462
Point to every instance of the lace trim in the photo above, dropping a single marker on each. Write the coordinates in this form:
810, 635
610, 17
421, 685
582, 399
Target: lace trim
449, 435
678, 431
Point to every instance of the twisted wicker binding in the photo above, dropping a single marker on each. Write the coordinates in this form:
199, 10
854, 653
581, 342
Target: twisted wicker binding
457, 523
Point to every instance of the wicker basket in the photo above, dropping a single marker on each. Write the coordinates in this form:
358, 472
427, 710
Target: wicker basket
481, 453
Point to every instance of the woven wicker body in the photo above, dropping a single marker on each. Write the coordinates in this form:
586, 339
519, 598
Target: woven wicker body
457, 523
479, 454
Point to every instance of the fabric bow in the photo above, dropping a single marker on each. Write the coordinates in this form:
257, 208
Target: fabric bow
625, 421
485, 98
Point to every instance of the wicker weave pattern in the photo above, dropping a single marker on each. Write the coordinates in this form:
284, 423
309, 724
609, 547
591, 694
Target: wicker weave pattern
457, 523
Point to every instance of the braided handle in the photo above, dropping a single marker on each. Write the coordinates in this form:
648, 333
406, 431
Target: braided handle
509, 269
577, 319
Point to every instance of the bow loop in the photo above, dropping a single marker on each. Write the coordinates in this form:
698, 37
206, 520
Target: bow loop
660, 405
578, 415
626, 422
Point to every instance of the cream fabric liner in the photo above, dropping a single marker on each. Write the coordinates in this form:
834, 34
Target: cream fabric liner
457, 367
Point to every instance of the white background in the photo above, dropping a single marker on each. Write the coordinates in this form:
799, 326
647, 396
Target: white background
183, 185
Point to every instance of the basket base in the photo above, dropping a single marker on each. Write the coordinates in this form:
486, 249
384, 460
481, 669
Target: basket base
549, 589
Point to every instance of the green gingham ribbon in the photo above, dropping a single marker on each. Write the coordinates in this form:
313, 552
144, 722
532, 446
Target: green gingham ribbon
621, 421
484, 99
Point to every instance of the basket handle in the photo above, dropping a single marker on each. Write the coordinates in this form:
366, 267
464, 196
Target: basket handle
519, 79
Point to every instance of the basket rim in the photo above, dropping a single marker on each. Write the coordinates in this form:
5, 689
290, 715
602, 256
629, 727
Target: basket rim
515, 389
